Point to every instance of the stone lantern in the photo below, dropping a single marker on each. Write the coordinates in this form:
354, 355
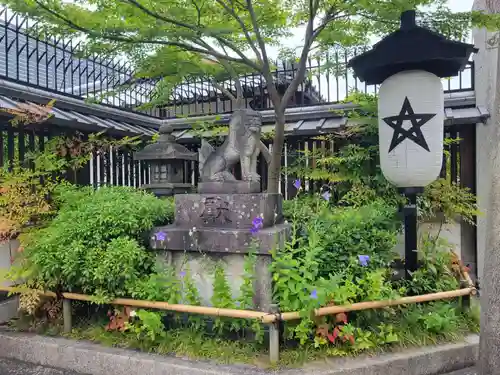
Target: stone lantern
167, 161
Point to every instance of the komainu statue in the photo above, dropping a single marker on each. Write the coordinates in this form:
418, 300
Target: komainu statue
242, 145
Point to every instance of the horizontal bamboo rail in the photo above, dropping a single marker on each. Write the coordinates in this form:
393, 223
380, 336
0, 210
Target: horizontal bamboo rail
202, 310
266, 318
331, 310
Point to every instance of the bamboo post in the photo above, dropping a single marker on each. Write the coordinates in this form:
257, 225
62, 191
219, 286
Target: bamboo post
470, 283
67, 315
466, 298
274, 337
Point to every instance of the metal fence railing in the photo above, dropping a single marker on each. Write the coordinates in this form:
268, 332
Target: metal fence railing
56, 65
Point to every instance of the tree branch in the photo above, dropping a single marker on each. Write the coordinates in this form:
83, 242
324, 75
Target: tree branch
225, 91
265, 152
266, 69
331, 16
198, 29
301, 69
160, 17
238, 19
232, 73
198, 11
116, 38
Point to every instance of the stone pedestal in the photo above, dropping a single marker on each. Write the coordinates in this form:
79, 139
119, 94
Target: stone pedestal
210, 228
8, 250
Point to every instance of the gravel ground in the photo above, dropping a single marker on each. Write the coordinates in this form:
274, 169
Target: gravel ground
12, 367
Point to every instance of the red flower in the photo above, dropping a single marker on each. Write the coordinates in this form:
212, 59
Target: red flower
333, 336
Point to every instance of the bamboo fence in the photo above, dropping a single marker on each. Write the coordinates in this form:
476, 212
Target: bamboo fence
270, 318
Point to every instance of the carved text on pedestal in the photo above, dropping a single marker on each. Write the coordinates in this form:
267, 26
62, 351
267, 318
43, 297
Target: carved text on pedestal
215, 211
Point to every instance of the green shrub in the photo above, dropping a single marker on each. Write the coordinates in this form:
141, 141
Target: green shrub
303, 207
350, 232
435, 272
95, 244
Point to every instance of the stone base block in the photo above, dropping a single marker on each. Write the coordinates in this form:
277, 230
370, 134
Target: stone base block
225, 241
235, 211
228, 187
202, 268
9, 309
169, 189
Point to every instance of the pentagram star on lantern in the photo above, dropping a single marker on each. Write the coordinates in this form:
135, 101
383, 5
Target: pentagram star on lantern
414, 133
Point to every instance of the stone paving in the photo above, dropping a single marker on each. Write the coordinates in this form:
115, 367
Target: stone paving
11, 367
14, 367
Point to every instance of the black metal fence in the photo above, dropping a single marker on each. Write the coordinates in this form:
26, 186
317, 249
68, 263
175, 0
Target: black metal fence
55, 65
116, 166
106, 166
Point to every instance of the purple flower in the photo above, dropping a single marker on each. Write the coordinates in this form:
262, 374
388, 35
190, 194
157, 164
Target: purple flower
182, 274
257, 224
314, 294
363, 260
161, 236
297, 184
326, 196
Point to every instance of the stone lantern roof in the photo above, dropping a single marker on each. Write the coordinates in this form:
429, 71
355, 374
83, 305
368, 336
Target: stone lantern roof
166, 148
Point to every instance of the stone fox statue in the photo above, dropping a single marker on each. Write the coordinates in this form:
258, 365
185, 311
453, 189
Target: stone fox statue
242, 145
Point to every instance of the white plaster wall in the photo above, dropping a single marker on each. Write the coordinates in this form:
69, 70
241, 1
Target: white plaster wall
448, 231
486, 76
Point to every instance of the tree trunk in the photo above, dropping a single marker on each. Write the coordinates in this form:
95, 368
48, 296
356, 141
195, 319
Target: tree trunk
273, 179
489, 348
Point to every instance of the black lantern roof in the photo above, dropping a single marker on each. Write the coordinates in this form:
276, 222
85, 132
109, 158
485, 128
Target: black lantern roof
411, 47
166, 148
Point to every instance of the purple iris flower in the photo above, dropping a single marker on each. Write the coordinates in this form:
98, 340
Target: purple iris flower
314, 294
297, 184
161, 236
363, 260
326, 196
182, 274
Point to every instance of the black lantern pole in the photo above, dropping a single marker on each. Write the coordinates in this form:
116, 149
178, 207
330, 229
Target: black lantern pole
408, 64
411, 229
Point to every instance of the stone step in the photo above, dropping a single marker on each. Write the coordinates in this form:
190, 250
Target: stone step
219, 240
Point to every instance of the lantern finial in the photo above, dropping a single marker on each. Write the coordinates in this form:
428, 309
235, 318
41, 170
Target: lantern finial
166, 129
408, 20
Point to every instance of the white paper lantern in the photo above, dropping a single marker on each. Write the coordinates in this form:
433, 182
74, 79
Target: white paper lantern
411, 115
